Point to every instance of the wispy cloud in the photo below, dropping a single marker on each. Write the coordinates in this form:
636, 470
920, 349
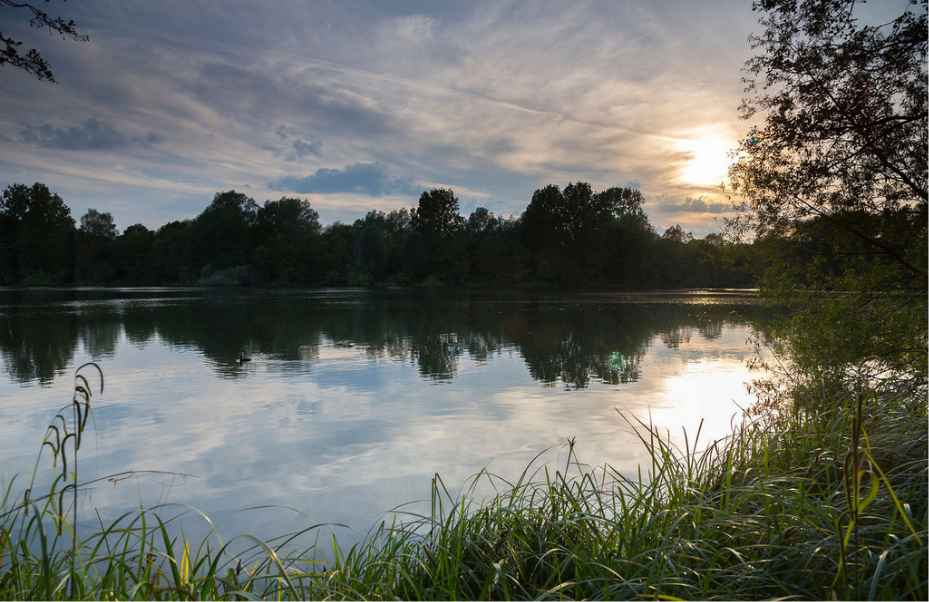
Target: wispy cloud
89, 135
304, 148
295, 146
698, 205
491, 98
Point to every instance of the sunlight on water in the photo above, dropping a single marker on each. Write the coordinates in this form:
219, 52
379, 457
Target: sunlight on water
351, 403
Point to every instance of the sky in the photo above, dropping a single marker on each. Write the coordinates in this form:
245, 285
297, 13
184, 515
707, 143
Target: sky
363, 105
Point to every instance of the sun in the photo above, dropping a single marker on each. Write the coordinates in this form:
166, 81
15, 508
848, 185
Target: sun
709, 160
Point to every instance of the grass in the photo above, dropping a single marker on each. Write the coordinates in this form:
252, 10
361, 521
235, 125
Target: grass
814, 504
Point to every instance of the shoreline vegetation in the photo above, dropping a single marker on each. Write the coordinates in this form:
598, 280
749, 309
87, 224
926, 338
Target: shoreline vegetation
819, 493
566, 238
814, 495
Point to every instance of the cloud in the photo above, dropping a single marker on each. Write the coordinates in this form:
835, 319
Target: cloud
360, 178
697, 205
90, 135
326, 104
302, 148
499, 98
298, 147
413, 29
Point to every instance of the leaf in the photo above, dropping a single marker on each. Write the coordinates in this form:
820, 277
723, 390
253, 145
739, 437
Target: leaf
184, 568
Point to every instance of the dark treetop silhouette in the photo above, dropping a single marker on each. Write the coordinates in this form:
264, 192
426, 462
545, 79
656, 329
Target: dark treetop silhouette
32, 60
568, 238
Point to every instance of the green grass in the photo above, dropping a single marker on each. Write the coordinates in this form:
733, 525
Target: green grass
814, 504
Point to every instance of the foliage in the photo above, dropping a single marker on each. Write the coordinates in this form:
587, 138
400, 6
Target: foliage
285, 235
95, 223
437, 214
568, 231
820, 493
437, 241
32, 61
221, 236
36, 233
571, 238
677, 234
829, 502
844, 110
835, 176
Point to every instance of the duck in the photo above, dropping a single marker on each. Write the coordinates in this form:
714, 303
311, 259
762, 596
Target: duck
243, 358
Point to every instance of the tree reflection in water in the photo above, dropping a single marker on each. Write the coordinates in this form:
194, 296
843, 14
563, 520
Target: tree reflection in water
567, 341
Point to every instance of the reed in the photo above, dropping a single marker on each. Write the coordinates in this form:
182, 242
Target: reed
807, 504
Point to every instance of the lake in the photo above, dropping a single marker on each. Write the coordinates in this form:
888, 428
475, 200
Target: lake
354, 399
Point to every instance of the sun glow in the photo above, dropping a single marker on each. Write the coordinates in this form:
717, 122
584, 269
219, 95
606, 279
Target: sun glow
709, 160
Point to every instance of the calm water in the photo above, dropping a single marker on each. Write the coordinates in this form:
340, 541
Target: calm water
353, 400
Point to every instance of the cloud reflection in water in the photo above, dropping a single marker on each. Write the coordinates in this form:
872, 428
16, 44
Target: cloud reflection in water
347, 409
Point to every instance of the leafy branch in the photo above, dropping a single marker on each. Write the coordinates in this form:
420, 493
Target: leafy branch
32, 61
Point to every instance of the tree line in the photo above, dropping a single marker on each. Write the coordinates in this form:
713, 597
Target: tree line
570, 237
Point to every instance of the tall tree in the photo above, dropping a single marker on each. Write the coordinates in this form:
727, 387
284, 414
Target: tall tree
844, 114
481, 221
135, 257
286, 232
94, 253
39, 224
623, 204
437, 213
577, 236
172, 253
438, 249
222, 234
544, 230
838, 158
96, 223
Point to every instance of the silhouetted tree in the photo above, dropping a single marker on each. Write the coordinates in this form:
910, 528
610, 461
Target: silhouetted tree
99, 224
94, 256
835, 176
38, 229
481, 222
545, 231
172, 253
437, 223
676, 233
379, 243
222, 234
32, 61
337, 254
575, 238
844, 106
286, 232
622, 204
135, 256
437, 216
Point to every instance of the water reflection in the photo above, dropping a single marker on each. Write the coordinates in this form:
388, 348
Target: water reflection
352, 401
568, 343
37, 345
